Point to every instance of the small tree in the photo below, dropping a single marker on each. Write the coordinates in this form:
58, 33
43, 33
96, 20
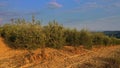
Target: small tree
85, 38
23, 35
55, 35
72, 37
107, 41
98, 38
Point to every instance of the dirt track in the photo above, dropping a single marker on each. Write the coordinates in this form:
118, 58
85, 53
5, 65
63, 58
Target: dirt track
65, 58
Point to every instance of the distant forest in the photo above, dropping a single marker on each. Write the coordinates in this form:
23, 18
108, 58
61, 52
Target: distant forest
112, 33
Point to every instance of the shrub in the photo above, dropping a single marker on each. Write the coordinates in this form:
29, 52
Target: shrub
72, 37
107, 40
23, 35
98, 38
55, 35
86, 38
115, 41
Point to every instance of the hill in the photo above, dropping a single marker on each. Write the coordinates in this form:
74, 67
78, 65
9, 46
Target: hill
68, 57
113, 33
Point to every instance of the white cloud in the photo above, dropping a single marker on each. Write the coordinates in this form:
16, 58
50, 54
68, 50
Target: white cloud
54, 5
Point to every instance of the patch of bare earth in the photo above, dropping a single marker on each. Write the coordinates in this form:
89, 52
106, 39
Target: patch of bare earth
68, 57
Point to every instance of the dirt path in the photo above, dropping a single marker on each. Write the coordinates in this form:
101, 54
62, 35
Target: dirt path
3, 49
7, 55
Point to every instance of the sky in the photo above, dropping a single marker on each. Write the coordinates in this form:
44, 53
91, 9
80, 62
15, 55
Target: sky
90, 14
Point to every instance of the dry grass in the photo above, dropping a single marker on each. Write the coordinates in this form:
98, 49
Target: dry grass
68, 57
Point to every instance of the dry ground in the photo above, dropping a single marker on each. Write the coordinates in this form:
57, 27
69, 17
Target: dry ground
68, 57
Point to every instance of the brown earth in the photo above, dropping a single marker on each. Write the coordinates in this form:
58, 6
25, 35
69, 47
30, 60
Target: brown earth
68, 57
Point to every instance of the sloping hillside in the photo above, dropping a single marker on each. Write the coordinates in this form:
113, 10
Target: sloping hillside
104, 57
68, 57
112, 33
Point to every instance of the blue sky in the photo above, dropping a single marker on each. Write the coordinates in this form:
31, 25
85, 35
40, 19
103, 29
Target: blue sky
90, 14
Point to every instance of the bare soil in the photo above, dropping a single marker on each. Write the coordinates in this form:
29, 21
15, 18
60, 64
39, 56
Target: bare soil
68, 57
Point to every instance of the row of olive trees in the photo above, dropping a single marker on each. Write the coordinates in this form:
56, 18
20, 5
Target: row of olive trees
21, 34
31, 35
77, 38
89, 39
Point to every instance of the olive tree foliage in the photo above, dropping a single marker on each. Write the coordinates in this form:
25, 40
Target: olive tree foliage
86, 38
54, 35
23, 35
115, 41
102, 39
98, 38
77, 38
72, 37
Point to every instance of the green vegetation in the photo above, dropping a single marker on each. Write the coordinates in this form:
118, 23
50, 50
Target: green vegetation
54, 35
21, 34
86, 39
101, 39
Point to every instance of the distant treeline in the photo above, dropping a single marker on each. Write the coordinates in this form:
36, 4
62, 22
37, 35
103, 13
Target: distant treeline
113, 33
20, 34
